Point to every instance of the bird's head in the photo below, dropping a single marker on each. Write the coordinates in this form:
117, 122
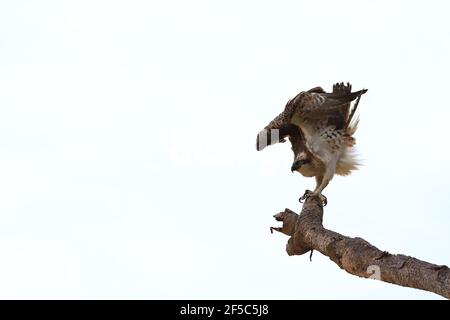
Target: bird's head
300, 160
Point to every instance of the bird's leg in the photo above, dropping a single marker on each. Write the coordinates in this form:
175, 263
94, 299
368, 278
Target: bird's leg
330, 169
308, 193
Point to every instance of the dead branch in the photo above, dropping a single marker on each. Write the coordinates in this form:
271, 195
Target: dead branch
356, 255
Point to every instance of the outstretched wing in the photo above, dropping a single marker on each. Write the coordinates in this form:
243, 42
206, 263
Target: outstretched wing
313, 104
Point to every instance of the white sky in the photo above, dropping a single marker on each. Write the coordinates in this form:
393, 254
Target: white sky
127, 130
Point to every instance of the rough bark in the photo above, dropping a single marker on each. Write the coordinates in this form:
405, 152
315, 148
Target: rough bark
356, 255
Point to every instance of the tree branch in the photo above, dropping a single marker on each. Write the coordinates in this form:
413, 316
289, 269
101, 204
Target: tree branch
356, 255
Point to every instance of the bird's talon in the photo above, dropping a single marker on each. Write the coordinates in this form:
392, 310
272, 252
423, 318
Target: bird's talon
305, 196
308, 194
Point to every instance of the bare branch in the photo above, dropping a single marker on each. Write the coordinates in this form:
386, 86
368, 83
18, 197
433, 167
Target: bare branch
356, 255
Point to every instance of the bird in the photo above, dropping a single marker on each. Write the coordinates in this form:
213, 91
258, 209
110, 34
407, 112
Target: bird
321, 128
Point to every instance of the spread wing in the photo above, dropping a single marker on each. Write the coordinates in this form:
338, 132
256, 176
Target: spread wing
315, 103
334, 108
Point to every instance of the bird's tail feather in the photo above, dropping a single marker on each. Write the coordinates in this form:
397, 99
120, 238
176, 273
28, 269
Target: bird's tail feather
348, 162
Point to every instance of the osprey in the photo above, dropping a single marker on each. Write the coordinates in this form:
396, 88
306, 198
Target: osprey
320, 127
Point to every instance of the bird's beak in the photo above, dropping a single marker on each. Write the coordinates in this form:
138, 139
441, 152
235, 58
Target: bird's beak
297, 164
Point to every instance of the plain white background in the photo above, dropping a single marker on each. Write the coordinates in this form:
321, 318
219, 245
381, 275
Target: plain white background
128, 166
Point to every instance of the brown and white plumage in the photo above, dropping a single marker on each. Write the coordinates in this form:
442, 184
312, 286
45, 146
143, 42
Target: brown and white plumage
320, 127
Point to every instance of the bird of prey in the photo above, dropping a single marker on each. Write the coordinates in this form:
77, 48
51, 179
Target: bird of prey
320, 127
